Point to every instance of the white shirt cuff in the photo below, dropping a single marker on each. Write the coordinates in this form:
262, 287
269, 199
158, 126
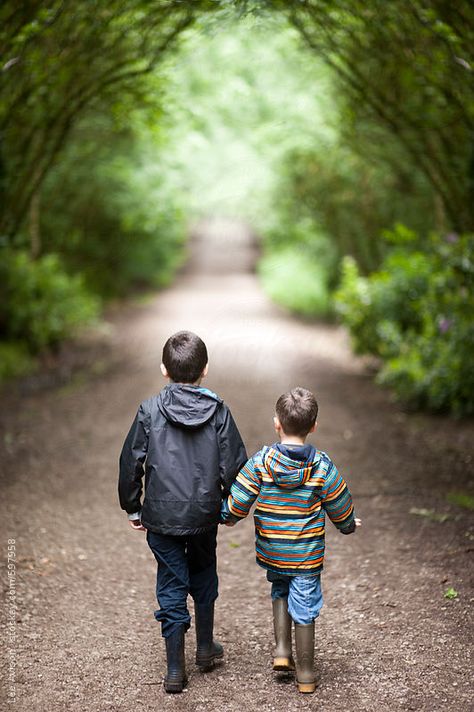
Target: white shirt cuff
135, 515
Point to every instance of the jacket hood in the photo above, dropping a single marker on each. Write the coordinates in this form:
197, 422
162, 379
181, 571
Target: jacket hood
289, 473
188, 406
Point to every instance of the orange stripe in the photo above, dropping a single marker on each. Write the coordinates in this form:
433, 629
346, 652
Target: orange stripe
288, 565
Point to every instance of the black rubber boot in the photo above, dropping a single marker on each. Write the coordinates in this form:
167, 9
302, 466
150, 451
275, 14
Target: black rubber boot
175, 679
282, 622
207, 649
305, 675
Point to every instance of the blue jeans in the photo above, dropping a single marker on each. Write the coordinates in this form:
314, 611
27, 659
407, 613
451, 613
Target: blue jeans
305, 598
186, 565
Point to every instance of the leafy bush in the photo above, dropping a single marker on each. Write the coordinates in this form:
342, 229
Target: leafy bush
122, 222
416, 314
15, 360
296, 282
300, 267
106, 210
40, 304
351, 198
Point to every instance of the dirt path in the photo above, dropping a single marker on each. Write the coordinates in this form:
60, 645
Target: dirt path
85, 634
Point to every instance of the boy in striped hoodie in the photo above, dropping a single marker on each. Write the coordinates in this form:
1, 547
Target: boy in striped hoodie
295, 486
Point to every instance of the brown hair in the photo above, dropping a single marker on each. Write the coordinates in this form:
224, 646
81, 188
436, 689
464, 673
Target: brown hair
297, 411
185, 357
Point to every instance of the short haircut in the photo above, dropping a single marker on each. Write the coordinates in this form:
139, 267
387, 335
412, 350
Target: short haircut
185, 357
297, 411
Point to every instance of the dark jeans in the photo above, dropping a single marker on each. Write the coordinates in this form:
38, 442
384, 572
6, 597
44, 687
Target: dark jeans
186, 564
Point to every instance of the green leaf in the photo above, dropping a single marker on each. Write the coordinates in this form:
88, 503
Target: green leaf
462, 499
430, 514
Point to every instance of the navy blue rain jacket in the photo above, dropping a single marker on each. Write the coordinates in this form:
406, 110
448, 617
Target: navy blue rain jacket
186, 443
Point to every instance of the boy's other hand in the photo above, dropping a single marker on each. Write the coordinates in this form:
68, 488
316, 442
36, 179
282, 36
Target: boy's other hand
137, 525
358, 522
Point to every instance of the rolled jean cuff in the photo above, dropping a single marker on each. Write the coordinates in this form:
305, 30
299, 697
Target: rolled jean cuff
169, 624
305, 599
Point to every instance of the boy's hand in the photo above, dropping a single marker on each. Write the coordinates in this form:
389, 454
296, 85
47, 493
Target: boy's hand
358, 522
137, 525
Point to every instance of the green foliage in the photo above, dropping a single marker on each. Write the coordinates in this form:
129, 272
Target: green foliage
15, 360
40, 303
461, 499
65, 60
241, 101
83, 208
415, 313
450, 593
115, 219
350, 198
238, 98
299, 268
305, 236
296, 282
403, 71
320, 149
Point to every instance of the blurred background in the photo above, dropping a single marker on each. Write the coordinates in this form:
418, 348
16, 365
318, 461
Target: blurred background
339, 133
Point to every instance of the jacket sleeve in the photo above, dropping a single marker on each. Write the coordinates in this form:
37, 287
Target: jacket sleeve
132, 459
232, 453
243, 494
337, 500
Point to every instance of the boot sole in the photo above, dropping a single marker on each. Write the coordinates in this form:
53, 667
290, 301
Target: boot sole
175, 686
306, 687
283, 665
207, 664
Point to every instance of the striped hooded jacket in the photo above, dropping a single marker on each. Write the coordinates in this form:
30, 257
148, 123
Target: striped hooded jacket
293, 496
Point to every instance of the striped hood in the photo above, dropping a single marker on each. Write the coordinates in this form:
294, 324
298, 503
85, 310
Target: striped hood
289, 473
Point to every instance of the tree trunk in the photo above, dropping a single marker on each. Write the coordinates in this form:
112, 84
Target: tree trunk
35, 230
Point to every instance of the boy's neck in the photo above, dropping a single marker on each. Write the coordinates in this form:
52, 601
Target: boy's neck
180, 383
292, 440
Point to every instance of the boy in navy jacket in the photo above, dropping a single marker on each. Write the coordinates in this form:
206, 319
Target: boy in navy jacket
185, 441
